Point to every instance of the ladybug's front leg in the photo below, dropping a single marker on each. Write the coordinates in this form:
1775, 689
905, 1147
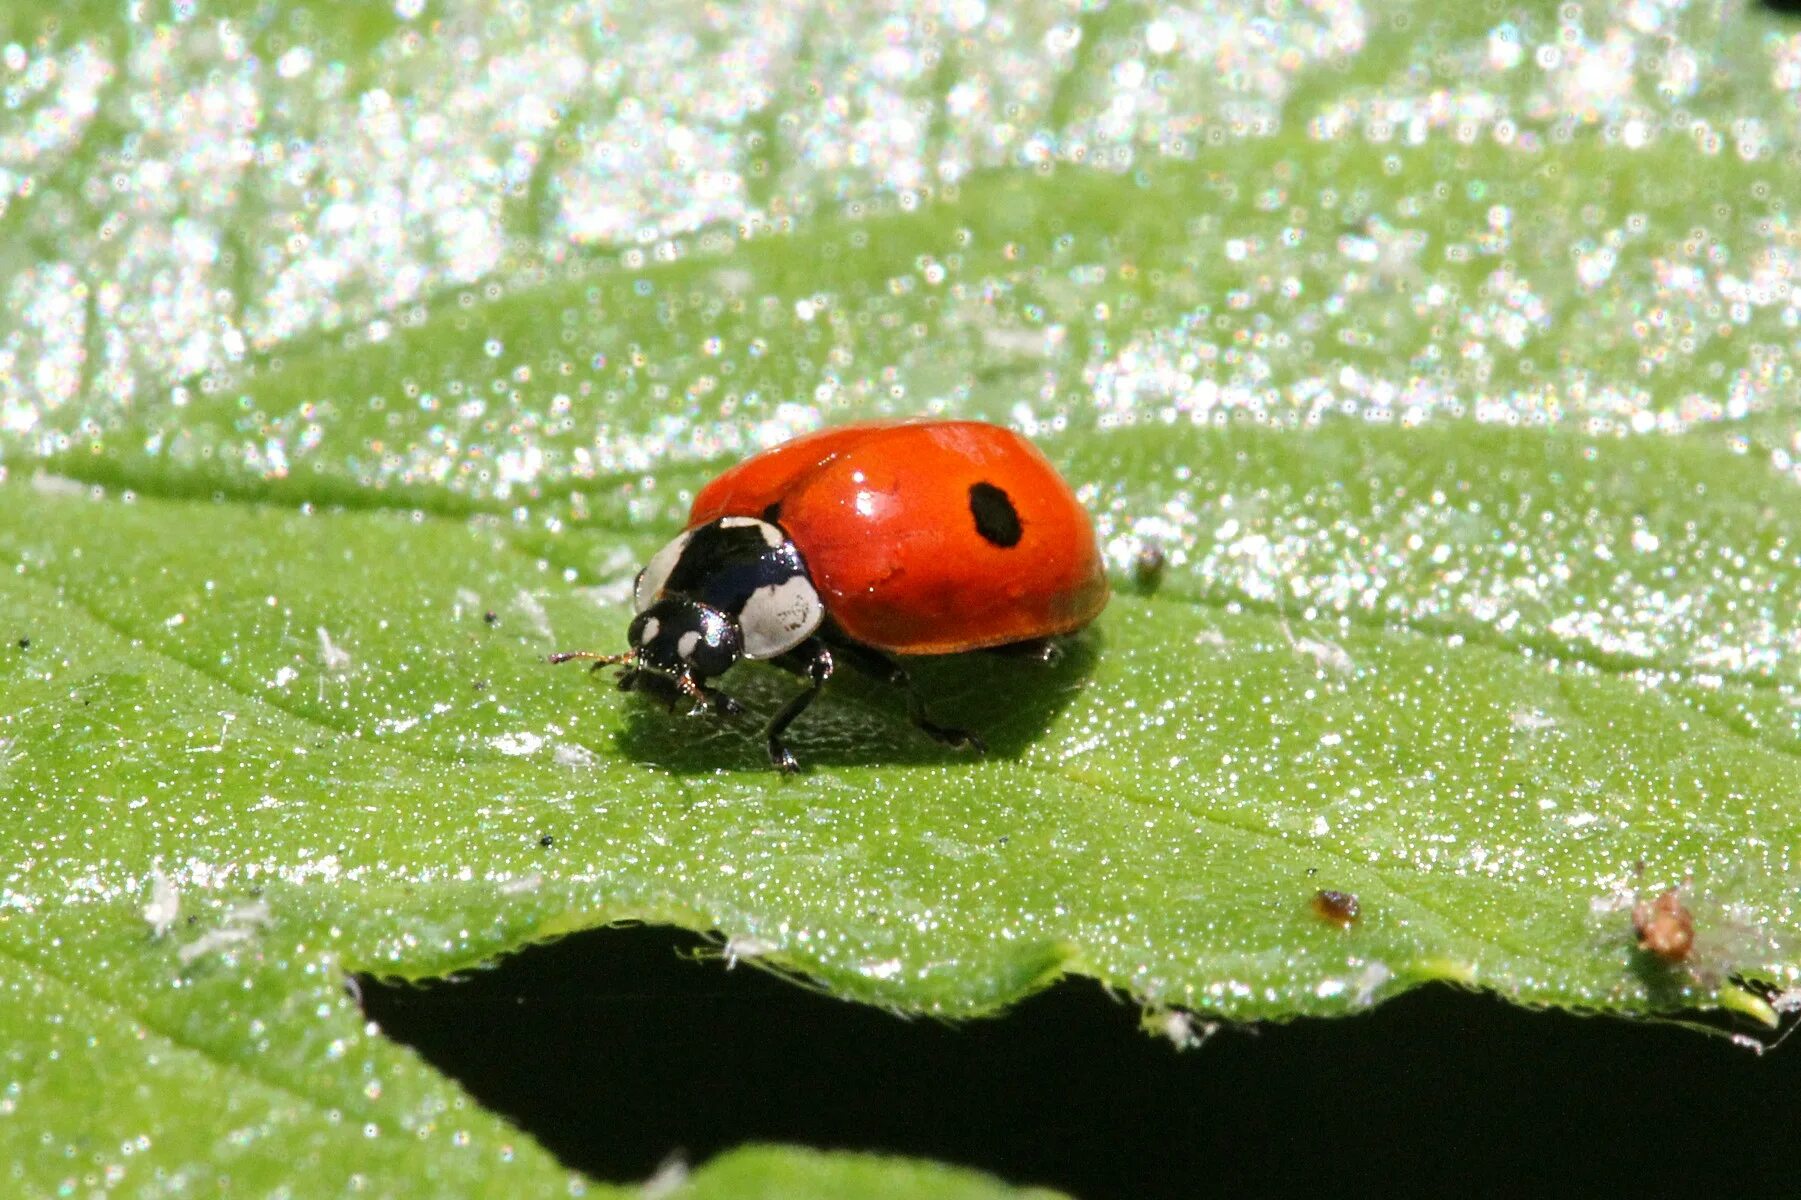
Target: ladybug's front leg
661, 688
813, 660
721, 704
669, 692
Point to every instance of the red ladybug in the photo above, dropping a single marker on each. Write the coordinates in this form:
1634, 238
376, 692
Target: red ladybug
889, 537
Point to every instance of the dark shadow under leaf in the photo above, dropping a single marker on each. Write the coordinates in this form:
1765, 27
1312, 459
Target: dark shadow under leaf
616, 1049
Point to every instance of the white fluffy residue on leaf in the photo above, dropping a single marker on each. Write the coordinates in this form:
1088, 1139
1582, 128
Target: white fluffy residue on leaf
1327, 654
1368, 984
241, 925
218, 745
46, 484
881, 968
332, 656
164, 905
1181, 1029
532, 609
1531, 720
574, 756
670, 1178
743, 946
518, 744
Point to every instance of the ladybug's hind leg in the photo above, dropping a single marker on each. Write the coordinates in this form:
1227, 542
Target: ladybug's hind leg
813, 660
1044, 651
879, 666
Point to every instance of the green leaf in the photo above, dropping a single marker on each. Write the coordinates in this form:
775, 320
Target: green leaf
350, 367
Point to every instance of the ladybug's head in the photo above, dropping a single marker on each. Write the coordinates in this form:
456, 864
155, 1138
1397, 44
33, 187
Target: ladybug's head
727, 589
684, 638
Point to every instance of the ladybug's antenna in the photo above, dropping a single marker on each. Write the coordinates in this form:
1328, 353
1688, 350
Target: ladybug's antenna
599, 660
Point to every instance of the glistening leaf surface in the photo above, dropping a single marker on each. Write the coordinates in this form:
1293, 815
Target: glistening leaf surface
1451, 369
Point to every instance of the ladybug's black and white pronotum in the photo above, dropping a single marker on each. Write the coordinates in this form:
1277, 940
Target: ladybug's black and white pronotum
732, 588
915, 537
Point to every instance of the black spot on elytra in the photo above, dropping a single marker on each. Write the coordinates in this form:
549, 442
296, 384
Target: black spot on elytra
996, 518
773, 513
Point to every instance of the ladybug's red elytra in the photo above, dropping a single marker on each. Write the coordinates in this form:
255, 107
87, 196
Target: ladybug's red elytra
888, 537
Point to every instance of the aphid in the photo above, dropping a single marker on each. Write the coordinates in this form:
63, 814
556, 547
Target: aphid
857, 543
1148, 566
1665, 927
1338, 908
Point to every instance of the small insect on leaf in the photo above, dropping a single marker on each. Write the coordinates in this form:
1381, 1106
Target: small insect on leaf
1148, 567
1336, 908
1665, 927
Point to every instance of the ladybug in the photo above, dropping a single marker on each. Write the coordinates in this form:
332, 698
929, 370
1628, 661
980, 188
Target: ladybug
858, 543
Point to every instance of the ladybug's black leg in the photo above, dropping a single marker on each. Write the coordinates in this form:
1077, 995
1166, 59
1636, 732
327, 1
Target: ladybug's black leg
721, 704
669, 692
658, 687
813, 660
1039, 650
877, 665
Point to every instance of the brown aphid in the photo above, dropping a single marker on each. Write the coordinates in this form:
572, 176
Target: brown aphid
1665, 927
1338, 908
1148, 566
